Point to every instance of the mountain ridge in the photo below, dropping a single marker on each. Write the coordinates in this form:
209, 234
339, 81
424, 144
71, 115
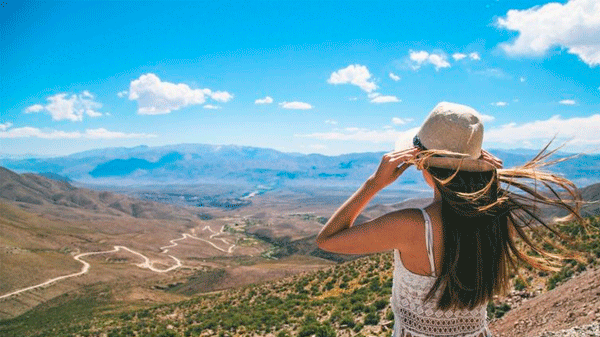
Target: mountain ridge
189, 163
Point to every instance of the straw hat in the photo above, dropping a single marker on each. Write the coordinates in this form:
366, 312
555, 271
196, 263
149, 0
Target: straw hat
453, 133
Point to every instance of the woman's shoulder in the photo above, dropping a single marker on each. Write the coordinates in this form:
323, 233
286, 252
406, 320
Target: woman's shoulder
409, 220
417, 212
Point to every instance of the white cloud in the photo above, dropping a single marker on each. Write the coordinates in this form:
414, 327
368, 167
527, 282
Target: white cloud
157, 97
356, 98
522, 79
458, 56
219, 96
331, 121
5, 126
317, 146
499, 103
485, 118
72, 108
493, 72
581, 131
354, 129
295, 105
438, 61
378, 98
567, 102
101, 133
401, 121
212, 107
27, 131
354, 74
34, 108
394, 77
359, 134
574, 26
385, 99
422, 57
474, 56
266, 100
122, 94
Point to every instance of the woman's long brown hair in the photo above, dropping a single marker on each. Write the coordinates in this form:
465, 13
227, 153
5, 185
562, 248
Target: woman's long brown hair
482, 214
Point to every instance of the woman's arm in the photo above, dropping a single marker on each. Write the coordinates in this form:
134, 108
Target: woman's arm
339, 234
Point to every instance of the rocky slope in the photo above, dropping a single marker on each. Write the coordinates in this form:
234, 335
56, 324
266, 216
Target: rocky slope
576, 303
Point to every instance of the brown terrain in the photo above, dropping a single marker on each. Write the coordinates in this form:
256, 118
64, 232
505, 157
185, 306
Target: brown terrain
575, 303
47, 224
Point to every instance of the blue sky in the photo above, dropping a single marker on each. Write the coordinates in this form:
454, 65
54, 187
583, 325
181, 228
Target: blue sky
325, 77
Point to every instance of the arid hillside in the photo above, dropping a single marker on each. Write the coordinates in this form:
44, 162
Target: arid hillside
572, 304
59, 239
348, 299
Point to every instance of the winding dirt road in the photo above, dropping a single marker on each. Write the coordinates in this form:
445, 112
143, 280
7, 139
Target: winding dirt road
147, 264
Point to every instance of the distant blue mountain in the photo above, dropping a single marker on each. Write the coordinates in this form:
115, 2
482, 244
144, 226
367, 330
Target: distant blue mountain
231, 164
123, 167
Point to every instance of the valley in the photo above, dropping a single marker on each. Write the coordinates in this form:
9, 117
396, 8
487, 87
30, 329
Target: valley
96, 246
59, 239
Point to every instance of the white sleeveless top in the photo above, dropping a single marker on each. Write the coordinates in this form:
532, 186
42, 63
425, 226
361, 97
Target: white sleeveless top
415, 318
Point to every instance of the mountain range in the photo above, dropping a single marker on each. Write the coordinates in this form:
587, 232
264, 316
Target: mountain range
232, 164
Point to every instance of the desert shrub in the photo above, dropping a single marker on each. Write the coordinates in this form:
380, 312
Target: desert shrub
371, 319
317, 330
564, 274
519, 284
380, 304
347, 321
344, 304
497, 311
389, 315
358, 327
370, 308
358, 307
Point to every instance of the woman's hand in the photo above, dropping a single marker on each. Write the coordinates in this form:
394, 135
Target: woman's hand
392, 165
490, 158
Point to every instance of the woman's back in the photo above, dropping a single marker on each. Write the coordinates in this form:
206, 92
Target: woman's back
453, 258
413, 278
415, 257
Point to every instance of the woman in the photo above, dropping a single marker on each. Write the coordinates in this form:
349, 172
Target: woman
453, 255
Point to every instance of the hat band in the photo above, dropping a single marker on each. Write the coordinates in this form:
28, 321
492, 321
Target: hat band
417, 143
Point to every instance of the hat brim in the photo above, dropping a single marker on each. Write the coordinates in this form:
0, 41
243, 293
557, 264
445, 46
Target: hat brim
460, 164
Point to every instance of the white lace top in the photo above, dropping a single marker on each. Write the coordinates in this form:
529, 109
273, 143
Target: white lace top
414, 318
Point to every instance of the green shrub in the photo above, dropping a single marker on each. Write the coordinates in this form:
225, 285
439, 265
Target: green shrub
494, 311
380, 304
520, 284
371, 319
390, 315
358, 327
348, 321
